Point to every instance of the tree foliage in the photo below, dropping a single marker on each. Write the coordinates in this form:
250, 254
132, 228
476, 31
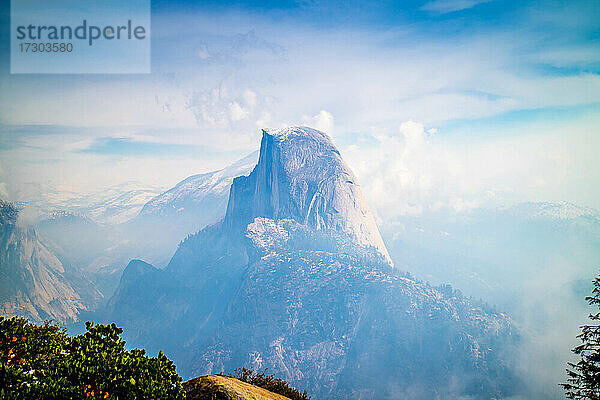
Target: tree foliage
584, 376
42, 362
270, 383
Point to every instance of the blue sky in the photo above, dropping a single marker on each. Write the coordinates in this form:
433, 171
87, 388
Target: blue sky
426, 100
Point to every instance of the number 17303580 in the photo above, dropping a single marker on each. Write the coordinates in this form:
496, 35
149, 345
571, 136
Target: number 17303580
46, 47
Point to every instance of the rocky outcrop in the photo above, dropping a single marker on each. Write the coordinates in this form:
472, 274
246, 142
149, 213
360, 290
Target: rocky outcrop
218, 387
34, 282
301, 176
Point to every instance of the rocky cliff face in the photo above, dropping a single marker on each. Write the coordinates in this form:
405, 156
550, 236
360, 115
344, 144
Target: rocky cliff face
33, 281
296, 279
301, 176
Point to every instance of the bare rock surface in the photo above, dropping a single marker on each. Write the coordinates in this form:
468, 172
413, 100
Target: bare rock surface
218, 387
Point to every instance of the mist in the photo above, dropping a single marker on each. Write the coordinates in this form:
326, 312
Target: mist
534, 266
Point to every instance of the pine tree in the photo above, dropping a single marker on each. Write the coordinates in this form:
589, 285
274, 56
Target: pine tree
584, 376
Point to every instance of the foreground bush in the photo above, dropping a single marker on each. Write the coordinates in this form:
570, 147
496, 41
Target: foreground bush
42, 362
270, 383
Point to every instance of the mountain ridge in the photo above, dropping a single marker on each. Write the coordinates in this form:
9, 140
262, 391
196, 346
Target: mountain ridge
192, 189
307, 295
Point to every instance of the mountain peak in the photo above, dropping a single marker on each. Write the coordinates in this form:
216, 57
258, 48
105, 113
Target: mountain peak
298, 132
301, 175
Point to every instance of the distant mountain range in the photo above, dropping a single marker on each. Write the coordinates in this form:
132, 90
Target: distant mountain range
476, 250
199, 199
296, 278
119, 208
534, 261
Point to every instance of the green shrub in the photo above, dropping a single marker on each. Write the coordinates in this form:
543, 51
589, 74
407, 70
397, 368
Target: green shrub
270, 383
27, 354
42, 362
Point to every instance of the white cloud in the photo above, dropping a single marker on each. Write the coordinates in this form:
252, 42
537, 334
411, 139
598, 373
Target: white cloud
264, 121
414, 136
237, 112
323, 121
446, 6
203, 52
249, 98
412, 171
